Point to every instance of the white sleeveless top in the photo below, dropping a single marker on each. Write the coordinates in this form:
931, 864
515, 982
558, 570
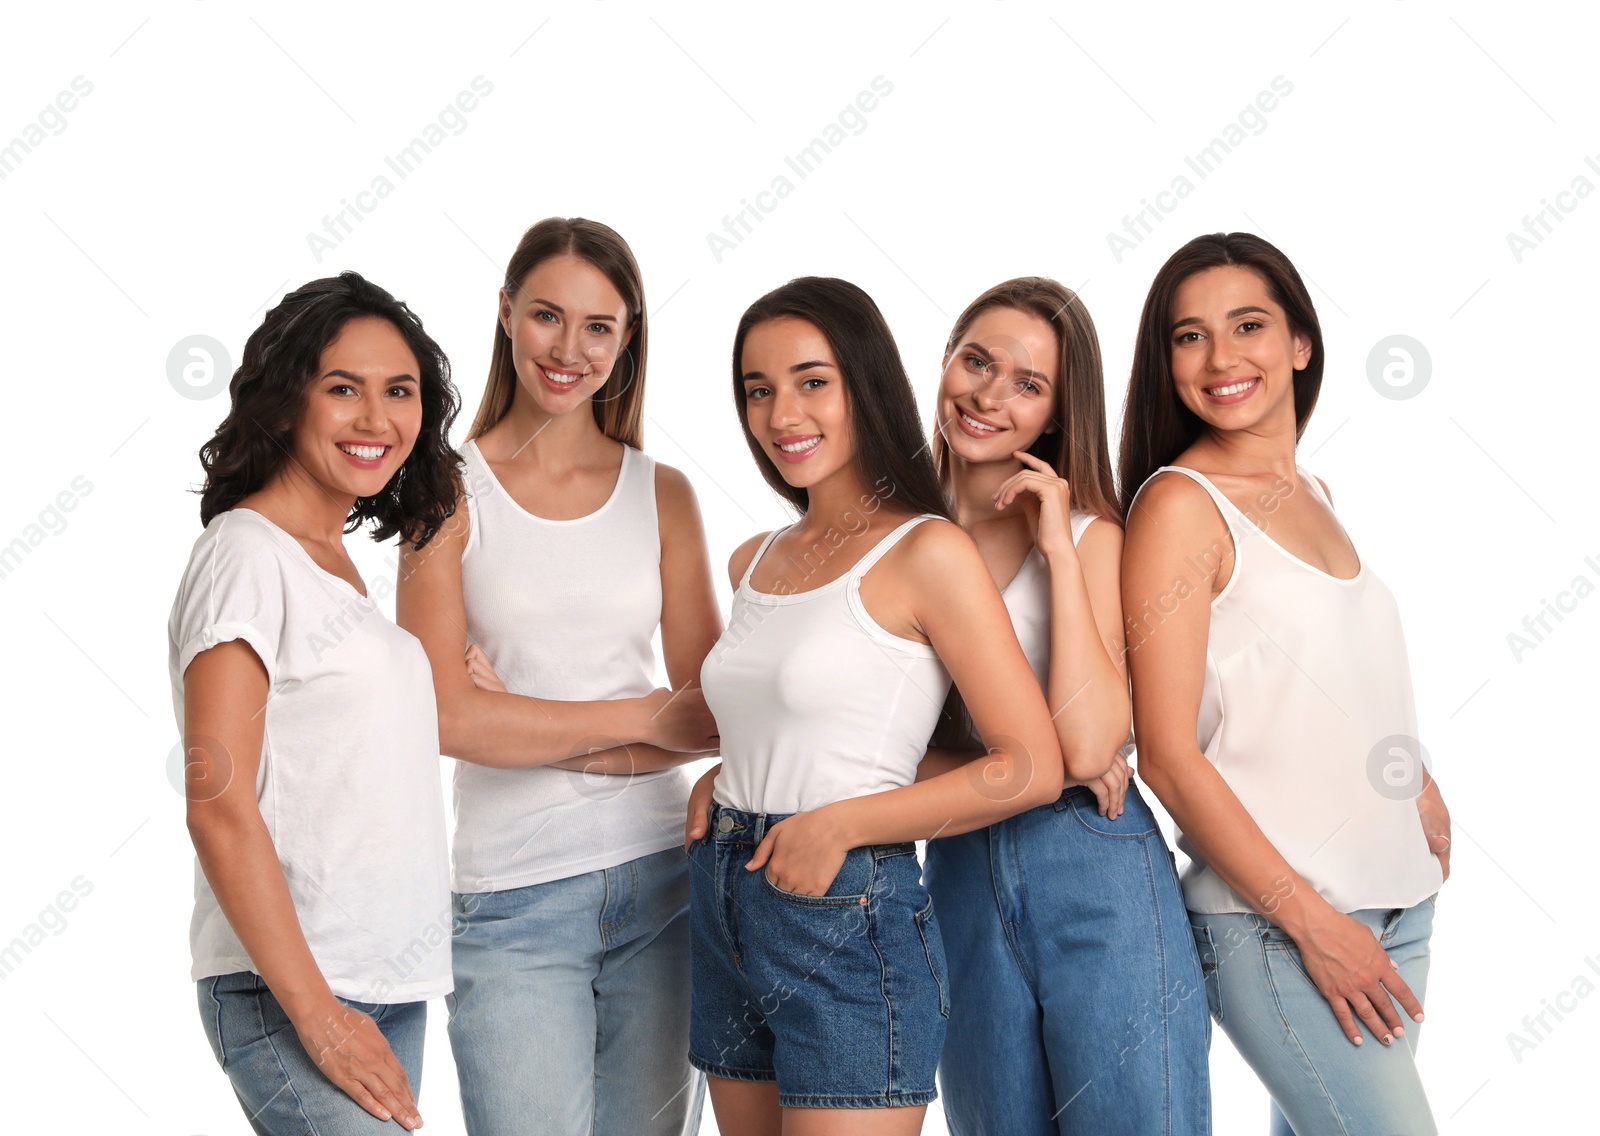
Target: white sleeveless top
814, 701
1027, 598
564, 610
1306, 681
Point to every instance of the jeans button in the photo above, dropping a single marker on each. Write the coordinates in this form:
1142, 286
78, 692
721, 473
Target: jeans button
725, 824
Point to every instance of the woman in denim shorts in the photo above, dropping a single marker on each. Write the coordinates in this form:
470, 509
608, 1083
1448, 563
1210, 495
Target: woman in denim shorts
819, 980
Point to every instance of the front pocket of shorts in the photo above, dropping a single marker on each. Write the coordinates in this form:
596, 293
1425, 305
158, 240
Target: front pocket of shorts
933, 948
850, 887
1210, 971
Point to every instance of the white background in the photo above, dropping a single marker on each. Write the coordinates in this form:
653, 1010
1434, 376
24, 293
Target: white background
178, 198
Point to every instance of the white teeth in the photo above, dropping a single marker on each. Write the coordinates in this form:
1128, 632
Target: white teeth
1231, 388
975, 424
365, 453
557, 377
800, 447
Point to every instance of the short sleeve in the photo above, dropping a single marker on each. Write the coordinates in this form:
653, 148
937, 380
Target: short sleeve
232, 589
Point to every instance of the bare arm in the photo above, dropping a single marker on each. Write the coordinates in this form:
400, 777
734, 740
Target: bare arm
225, 689
1088, 681
1174, 520
509, 730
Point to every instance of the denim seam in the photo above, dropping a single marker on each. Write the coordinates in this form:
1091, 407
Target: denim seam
997, 863
921, 919
210, 986
886, 1100
892, 1077
288, 1082
1166, 1018
1300, 1049
711, 1068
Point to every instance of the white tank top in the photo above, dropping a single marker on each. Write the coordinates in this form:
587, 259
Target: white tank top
814, 701
565, 610
1306, 681
1027, 598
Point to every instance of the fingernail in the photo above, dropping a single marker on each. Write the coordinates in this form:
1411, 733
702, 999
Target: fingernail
1356, 1039
1399, 1031
1388, 1039
1417, 1017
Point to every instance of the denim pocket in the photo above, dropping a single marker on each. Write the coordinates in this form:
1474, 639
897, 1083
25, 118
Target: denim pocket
933, 947
1135, 823
1278, 945
1210, 971
849, 888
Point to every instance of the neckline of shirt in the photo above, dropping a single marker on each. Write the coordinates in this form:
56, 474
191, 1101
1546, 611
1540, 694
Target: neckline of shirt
1361, 561
283, 536
616, 490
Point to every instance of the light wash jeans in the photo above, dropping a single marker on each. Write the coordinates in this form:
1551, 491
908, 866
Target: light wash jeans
279, 1086
571, 1006
1077, 1004
1321, 1085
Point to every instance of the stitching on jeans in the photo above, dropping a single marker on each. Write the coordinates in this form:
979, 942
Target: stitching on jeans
1161, 937
1000, 833
288, 1081
891, 1073
216, 1003
1300, 1049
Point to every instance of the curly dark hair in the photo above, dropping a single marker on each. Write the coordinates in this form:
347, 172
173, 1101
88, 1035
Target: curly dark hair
268, 395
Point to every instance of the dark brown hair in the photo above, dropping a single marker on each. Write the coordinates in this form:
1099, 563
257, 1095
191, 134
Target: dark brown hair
890, 447
268, 395
619, 405
1078, 449
1156, 426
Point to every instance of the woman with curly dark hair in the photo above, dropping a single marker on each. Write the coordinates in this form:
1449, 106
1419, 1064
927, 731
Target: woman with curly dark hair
322, 909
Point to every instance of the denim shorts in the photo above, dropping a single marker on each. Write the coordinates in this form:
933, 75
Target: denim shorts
839, 998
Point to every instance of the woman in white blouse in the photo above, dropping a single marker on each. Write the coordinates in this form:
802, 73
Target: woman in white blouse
1272, 701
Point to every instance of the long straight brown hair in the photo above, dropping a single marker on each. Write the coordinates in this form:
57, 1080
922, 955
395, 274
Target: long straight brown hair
1156, 426
619, 405
1078, 449
891, 453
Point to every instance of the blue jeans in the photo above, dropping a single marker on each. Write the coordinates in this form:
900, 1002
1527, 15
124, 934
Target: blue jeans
1259, 993
1076, 1001
840, 998
571, 1004
279, 1086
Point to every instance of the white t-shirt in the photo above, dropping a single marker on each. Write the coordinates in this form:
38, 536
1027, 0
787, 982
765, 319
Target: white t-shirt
348, 782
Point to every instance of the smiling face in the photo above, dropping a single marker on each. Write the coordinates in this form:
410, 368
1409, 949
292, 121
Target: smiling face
362, 412
567, 325
999, 388
1233, 353
794, 401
